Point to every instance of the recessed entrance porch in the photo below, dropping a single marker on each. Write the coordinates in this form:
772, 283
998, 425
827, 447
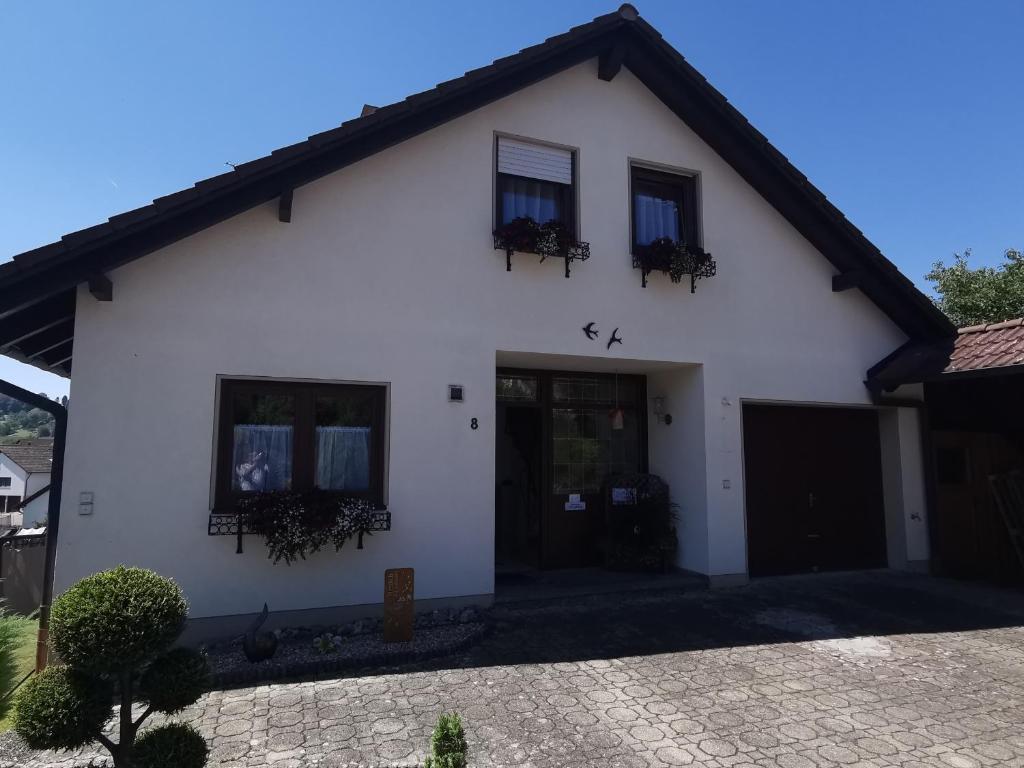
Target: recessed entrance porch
569, 430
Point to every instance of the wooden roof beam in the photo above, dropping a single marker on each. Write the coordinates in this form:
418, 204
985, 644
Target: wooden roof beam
101, 288
844, 281
610, 61
284, 206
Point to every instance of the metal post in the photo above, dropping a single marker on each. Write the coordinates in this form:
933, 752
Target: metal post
60, 428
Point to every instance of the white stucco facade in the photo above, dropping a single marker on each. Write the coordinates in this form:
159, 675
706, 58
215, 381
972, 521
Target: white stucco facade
16, 476
387, 274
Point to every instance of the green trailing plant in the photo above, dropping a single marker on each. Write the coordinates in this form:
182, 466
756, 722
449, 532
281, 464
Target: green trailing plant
328, 643
641, 534
447, 743
525, 235
114, 631
297, 523
675, 258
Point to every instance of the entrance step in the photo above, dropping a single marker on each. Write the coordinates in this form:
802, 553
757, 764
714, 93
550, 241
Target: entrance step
528, 584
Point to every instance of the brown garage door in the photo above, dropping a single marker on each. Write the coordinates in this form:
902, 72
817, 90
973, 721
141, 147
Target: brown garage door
813, 489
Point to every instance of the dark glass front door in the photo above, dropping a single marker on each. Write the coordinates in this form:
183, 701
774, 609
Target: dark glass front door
591, 426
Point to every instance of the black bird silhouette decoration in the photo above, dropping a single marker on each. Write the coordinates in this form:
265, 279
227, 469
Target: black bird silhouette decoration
614, 339
590, 330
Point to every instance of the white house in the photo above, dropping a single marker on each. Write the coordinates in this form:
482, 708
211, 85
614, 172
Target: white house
24, 477
337, 315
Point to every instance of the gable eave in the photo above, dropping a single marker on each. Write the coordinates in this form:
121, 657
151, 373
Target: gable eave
57, 268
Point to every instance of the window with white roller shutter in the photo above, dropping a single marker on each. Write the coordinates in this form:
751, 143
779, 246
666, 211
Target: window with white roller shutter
535, 181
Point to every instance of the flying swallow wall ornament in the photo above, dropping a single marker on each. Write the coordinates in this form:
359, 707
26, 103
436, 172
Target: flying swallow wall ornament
614, 339
590, 330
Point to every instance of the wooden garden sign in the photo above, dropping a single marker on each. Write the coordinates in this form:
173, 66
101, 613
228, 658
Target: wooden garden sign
399, 608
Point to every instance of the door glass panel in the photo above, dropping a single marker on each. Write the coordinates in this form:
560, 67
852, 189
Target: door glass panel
586, 449
522, 388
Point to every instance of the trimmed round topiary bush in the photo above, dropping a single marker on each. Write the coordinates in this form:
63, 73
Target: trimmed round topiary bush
175, 745
62, 706
174, 680
115, 628
117, 619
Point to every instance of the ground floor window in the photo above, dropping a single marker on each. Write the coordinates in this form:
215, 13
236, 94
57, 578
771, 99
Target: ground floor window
276, 436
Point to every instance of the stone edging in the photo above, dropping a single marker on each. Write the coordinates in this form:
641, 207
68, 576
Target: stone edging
282, 671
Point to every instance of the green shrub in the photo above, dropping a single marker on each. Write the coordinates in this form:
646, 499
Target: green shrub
116, 620
62, 709
174, 680
175, 745
447, 743
117, 626
451, 760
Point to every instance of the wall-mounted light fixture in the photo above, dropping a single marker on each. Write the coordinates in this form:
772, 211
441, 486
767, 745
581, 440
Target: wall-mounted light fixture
659, 410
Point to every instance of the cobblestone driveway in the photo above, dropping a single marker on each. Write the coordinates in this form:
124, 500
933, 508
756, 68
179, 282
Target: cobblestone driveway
866, 670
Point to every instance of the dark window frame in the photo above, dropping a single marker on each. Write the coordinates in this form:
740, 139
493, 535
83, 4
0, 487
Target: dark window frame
303, 435
681, 187
5, 482
568, 191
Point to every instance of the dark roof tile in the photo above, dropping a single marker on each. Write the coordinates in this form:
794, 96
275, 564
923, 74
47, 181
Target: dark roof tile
31, 455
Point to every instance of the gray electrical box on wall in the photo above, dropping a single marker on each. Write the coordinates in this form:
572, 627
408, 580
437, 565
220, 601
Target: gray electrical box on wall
85, 503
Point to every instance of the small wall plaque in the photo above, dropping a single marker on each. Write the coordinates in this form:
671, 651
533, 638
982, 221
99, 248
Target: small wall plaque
575, 504
399, 606
456, 393
623, 496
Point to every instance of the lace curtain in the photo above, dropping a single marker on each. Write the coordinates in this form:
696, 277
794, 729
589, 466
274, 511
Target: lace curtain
262, 457
343, 458
655, 217
528, 197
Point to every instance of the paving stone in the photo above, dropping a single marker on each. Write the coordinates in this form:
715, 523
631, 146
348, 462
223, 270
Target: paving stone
728, 679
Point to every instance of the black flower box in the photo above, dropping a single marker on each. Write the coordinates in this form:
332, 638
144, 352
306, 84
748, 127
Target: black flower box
676, 259
524, 235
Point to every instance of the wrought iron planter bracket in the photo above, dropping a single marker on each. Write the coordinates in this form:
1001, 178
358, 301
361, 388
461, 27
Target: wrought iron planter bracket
575, 252
227, 524
697, 265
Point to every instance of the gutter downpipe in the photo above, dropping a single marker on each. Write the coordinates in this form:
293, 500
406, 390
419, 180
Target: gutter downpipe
60, 430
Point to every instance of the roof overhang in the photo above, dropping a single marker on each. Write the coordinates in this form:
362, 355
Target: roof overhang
38, 288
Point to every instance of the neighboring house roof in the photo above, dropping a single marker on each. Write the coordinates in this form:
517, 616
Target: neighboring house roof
37, 289
976, 350
28, 500
31, 455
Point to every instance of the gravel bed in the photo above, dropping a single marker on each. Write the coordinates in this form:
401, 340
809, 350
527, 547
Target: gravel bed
13, 751
298, 657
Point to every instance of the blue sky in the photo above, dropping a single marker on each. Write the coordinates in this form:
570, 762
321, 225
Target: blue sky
908, 115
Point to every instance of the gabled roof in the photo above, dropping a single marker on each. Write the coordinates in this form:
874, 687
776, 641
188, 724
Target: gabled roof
37, 287
31, 455
32, 497
978, 350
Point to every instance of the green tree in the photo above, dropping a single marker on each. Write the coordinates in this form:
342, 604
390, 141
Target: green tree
984, 295
113, 631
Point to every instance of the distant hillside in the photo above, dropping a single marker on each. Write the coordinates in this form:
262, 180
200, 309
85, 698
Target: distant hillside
19, 420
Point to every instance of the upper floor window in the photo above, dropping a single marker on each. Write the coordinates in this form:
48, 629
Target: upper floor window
535, 181
5, 482
276, 436
664, 206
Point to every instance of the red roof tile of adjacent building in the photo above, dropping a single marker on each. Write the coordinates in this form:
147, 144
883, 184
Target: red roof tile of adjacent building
988, 346
994, 347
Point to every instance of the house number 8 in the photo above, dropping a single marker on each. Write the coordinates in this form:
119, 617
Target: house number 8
473, 423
